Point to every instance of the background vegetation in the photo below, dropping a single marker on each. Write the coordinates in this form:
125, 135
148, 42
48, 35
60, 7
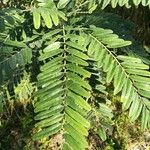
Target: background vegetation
74, 74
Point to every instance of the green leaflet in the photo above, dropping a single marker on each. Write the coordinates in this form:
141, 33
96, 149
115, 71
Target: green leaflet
71, 103
46, 95
107, 62
36, 18
76, 38
122, 2
136, 2
105, 110
62, 15
140, 79
99, 54
111, 73
52, 62
47, 131
119, 80
101, 88
78, 89
138, 72
79, 101
62, 3
77, 60
118, 44
50, 110
135, 108
129, 59
72, 142
66, 146
58, 93
49, 35
50, 106
142, 86
47, 104
54, 16
135, 65
15, 43
50, 54
78, 54
91, 3
49, 71
146, 102
105, 3
127, 5
51, 74
76, 135
78, 70
51, 66
127, 100
55, 38
46, 17
100, 31
51, 87
93, 8
91, 47
51, 47
54, 92
47, 99
110, 39
114, 3
102, 133
77, 79
76, 116
76, 125
145, 93
145, 2
49, 79
145, 117
76, 46
56, 118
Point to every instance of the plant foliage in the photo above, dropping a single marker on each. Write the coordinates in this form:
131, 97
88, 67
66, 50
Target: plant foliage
80, 58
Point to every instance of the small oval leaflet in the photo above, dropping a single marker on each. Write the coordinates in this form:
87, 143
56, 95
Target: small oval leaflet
52, 47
